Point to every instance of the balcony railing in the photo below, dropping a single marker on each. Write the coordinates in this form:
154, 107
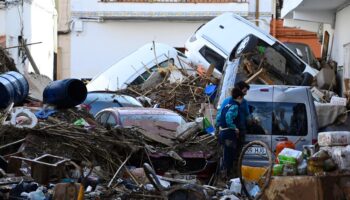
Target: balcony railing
175, 1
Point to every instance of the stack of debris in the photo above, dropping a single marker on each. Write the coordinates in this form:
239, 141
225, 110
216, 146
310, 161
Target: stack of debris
70, 138
185, 97
6, 62
56, 143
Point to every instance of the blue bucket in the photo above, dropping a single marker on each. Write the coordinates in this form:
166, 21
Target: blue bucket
13, 88
65, 93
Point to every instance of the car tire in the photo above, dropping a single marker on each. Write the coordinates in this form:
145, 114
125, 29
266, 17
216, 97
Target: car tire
246, 44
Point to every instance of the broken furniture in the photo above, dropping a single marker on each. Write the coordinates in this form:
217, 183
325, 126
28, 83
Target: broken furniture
45, 167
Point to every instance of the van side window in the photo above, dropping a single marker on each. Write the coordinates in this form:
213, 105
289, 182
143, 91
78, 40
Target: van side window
212, 57
261, 118
289, 119
145, 75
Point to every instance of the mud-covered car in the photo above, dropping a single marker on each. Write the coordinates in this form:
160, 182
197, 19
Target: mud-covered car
160, 125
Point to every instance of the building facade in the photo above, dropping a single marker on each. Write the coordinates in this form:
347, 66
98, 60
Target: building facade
33, 22
330, 20
95, 34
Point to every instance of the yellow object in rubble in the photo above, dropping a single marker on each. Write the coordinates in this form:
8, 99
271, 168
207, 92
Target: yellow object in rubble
253, 174
81, 192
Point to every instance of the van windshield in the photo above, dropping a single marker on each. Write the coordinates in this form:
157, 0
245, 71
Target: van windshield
212, 57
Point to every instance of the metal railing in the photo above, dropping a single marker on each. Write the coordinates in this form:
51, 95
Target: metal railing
175, 1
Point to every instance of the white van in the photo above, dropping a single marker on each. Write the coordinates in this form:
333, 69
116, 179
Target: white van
213, 42
137, 67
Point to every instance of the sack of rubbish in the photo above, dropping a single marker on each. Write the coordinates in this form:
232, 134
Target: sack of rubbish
290, 156
316, 163
334, 138
340, 155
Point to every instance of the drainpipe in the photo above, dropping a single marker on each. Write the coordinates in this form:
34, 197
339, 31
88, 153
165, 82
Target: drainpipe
257, 14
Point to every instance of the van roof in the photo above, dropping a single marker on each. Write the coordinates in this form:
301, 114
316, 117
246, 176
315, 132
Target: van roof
117, 76
233, 28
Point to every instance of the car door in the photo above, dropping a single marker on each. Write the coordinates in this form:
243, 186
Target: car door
260, 126
291, 115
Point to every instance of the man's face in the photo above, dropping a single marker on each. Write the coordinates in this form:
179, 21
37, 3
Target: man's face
244, 91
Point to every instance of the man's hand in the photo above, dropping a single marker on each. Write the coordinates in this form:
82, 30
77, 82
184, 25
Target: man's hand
237, 132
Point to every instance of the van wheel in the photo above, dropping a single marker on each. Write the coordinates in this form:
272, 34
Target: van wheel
264, 179
247, 44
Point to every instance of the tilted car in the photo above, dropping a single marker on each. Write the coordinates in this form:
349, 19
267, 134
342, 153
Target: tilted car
214, 42
138, 67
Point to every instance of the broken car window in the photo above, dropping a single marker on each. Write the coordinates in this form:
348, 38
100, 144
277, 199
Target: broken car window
144, 76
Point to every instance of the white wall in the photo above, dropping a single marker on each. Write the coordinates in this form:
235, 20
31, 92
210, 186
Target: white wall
266, 9
37, 19
341, 35
100, 45
128, 9
288, 6
305, 25
2, 21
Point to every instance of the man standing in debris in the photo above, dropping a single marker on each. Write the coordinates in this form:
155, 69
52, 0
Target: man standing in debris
229, 133
244, 114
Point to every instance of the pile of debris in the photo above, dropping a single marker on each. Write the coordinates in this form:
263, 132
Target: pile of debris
185, 97
72, 136
6, 62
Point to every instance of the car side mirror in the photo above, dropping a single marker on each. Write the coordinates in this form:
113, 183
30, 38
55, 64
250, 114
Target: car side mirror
299, 53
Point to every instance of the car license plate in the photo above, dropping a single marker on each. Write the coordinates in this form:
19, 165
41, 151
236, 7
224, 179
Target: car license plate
256, 151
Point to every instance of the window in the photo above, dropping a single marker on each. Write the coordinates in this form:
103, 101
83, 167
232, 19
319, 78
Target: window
111, 120
261, 123
103, 118
212, 57
145, 75
289, 119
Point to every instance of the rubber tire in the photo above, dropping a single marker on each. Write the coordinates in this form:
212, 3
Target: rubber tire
247, 44
268, 174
